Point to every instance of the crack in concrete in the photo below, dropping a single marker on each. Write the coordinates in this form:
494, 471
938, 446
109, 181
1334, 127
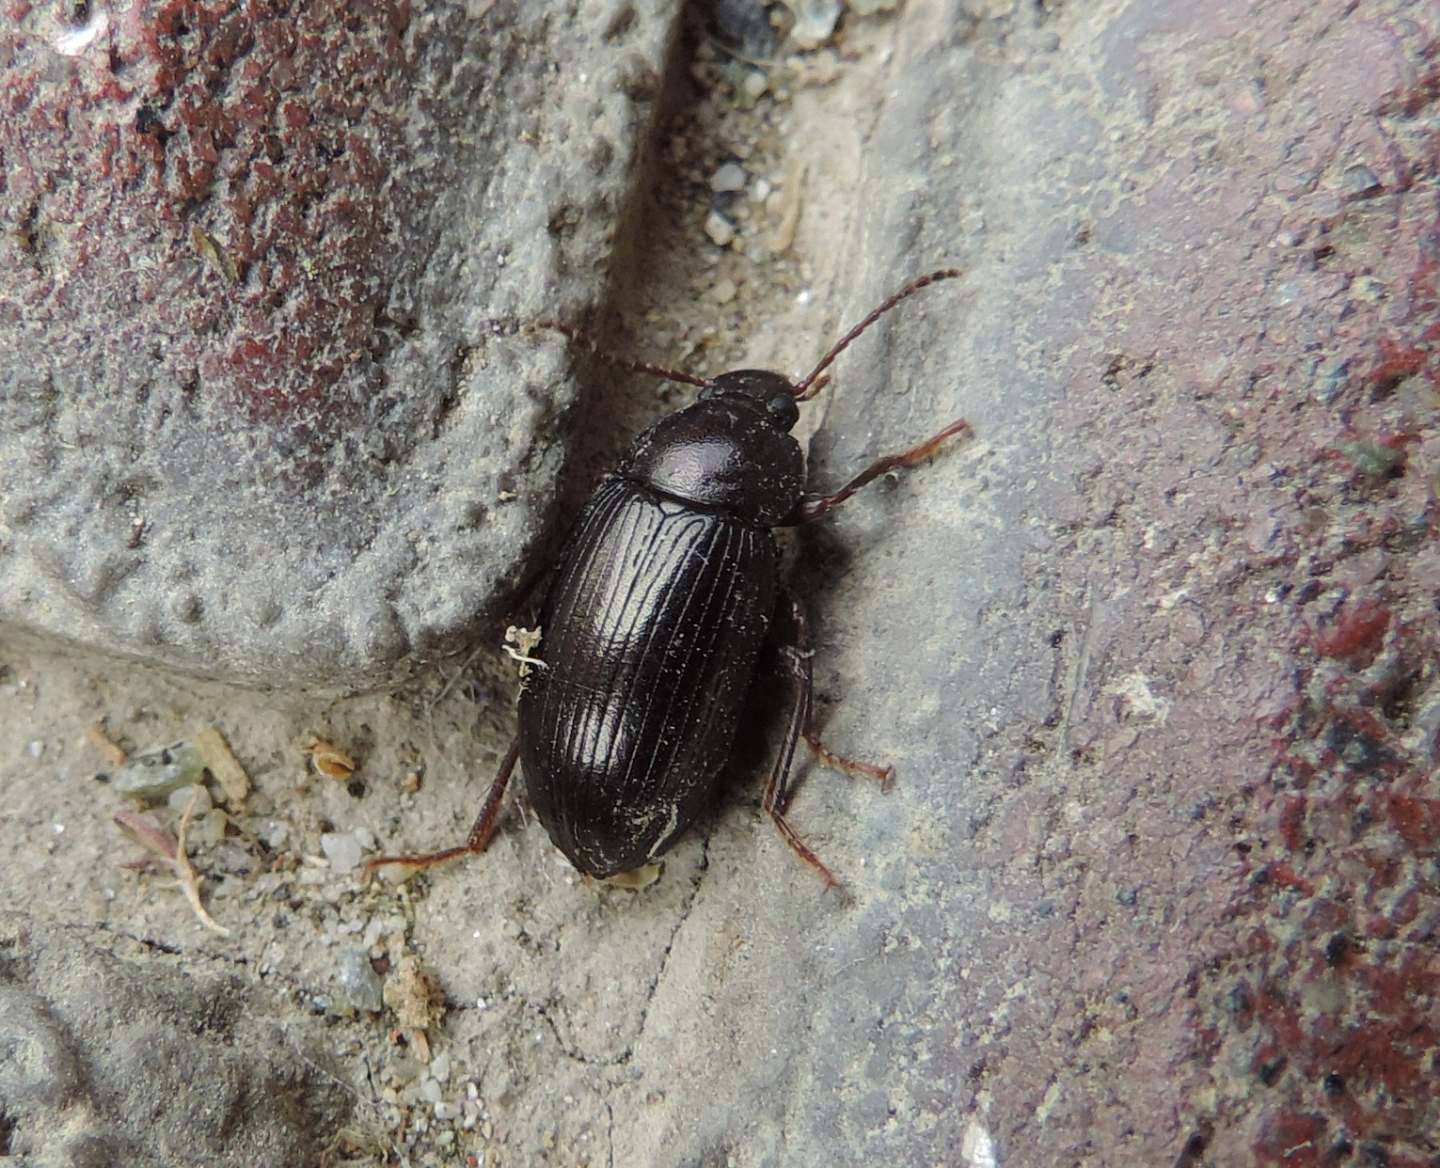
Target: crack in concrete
549, 1010
610, 1136
654, 986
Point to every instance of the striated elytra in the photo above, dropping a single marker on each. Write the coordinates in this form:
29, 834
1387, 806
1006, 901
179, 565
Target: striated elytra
664, 595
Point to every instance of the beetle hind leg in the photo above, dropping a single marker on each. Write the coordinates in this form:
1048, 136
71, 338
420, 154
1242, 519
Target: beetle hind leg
801, 724
798, 656
480, 833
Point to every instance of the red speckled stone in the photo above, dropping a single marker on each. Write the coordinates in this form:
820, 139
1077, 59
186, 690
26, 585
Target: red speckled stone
1156, 655
254, 260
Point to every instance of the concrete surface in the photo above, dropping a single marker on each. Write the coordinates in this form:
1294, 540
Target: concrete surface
260, 401
1153, 654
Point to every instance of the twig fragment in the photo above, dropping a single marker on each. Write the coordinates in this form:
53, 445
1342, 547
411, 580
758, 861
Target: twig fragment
114, 753
221, 762
146, 832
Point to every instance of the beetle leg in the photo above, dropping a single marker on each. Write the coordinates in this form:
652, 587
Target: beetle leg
850, 766
815, 506
797, 657
480, 833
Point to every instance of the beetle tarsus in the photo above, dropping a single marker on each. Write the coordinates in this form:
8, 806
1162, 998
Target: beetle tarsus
884, 775
799, 846
798, 656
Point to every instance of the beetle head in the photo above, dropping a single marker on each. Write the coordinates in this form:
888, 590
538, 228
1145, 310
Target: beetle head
731, 450
772, 390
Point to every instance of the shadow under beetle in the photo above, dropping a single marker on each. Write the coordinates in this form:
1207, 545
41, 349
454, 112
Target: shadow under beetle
662, 599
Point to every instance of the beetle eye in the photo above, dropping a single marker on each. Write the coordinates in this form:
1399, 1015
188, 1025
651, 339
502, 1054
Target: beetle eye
783, 410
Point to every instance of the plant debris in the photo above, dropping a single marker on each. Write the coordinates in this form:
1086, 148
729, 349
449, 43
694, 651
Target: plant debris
329, 760
114, 753
519, 643
221, 762
147, 831
414, 995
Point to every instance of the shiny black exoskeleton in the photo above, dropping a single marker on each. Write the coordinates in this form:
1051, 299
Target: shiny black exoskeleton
653, 624
662, 600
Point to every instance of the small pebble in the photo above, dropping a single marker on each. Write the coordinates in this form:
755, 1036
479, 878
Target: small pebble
729, 177
404, 1069
360, 986
815, 21
754, 85
720, 230
723, 290
342, 849
153, 774
179, 799
273, 833
430, 1090
209, 830
1360, 180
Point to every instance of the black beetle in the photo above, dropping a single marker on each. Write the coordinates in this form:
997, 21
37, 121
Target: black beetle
660, 605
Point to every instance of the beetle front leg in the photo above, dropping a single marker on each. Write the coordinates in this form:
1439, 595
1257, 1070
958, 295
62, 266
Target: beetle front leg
812, 508
480, 832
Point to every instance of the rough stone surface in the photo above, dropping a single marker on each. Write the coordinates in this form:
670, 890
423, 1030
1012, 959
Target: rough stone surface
1158, 882
114, 1057
1153, 654
254, 412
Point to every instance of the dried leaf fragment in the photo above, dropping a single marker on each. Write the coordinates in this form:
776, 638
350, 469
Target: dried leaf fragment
221, 762
784, 235
329, 759
146, 831
114, 753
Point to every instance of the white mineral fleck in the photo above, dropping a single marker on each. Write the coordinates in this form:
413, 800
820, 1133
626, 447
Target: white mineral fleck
342, 849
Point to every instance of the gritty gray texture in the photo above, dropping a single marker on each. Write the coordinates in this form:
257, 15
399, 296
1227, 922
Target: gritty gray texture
112, 1055
1153, 653
257, 415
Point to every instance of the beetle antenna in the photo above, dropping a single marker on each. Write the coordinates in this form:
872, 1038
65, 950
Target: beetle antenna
808, 388
579, 338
